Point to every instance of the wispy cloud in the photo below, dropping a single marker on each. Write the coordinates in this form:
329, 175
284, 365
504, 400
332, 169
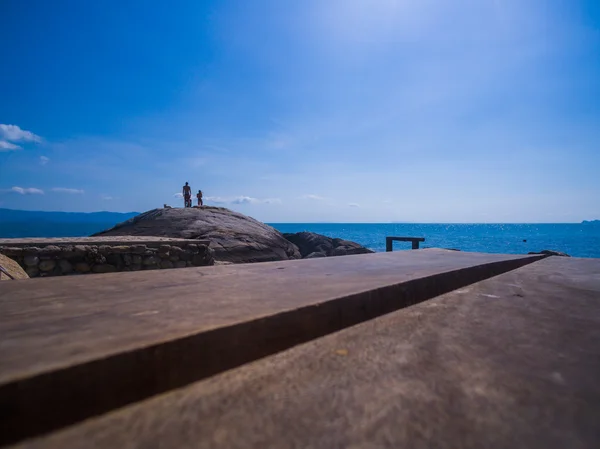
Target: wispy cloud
313, 197
65, 190
242, 200
178, 195
7, 146
106, 197
13, 133
27, 190
354, 205
44, 160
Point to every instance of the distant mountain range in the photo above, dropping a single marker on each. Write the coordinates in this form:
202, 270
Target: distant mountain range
25, 223
594, 222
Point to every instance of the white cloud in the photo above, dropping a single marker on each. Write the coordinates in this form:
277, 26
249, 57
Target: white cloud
241, 200
15, 134
354, 205
27, 191
65, 190
106, 197
313, 197
44, 160
178, 195
7, 146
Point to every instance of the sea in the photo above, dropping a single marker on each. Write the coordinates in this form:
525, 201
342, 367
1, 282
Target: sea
577, 240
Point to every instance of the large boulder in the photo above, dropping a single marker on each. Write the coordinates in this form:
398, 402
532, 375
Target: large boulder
11, 267
316, 245
233, 236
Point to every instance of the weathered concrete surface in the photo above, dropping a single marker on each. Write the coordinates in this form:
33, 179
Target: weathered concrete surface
510, 362
234, 237
13, 268
97, 343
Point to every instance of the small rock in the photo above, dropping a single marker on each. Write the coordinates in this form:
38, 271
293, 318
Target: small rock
175, 250
31, 260
180, 264
139, 249
165, 264
121, 249
339, 251
151, 260
104, 268
186, 256
128, 259
47, 265
114, 259
136, 260
315, 255
32, 272
82, 267
164, 249
65, 266
136, 267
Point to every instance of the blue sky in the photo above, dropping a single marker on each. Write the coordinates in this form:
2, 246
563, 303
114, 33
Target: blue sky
312, 111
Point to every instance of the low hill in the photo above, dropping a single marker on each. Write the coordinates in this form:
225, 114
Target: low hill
234, 237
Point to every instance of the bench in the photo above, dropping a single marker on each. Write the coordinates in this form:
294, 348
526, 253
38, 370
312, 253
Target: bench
414, 240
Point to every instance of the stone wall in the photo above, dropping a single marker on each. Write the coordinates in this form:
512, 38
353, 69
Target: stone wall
53, 260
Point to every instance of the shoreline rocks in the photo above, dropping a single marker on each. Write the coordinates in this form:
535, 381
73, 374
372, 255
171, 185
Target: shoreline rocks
312, 245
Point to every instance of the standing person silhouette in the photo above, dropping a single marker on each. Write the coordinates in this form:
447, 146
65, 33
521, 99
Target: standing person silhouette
187, 195
199, 196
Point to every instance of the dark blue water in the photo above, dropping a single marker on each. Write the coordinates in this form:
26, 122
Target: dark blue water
577, 240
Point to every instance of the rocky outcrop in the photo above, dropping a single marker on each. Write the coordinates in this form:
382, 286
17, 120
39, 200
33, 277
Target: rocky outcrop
548, 252
234, 237
313, 245
11, 269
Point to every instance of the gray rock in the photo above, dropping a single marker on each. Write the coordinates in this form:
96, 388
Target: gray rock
309, 243
65, 266
82, 267
114, 259
233, 236
128, 259
165, 264
151, 260
186, 256
180, 264
104, 268
136, 259
136, 267
138, 249
31, 261
32, 272
47, 265
315, 255
164, 249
